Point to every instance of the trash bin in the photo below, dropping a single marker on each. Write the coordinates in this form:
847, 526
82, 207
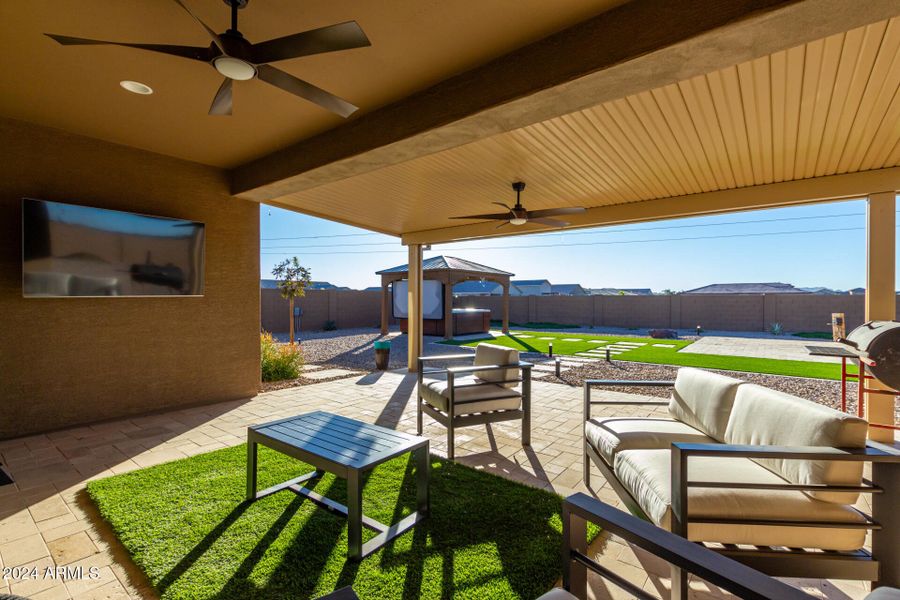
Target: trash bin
382, 355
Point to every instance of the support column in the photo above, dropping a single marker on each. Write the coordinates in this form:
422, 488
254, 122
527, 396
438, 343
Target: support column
881, 247
385, 303
448, 308
414, 307
506, 307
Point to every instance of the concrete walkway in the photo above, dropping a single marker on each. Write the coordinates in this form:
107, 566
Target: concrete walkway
777, 348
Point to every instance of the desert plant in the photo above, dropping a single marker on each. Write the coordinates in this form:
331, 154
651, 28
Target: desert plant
330, 326
278, 361
292, 280
776, 329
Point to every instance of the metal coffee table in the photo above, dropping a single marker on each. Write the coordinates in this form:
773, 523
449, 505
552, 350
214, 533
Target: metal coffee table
347, 448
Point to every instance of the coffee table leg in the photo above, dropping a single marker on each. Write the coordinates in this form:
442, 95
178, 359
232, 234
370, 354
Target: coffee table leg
423, 472
354, 515
251, 470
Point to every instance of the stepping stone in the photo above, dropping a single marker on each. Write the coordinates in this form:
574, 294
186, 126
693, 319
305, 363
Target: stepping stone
311, 368
596, 341
329, 373
547, 339
521, 336
586, 355
664, 346
635, 344
571, 340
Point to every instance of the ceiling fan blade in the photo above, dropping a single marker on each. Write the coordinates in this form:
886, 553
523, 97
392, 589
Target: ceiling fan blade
550, 222
509, 208
221, 104
503, 224
193, 52
308, 91
487, 216
212, 34
342, 36
552, 212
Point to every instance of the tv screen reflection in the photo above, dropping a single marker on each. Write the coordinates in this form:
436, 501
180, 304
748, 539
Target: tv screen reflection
71, 250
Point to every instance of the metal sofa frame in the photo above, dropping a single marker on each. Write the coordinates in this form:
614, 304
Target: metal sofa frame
881, 566
450, 419
580, 509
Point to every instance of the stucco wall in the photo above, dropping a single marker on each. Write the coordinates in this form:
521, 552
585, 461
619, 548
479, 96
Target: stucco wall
78, 360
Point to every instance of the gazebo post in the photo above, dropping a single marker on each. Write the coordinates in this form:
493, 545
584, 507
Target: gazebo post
385, 302
448, 306
506, 306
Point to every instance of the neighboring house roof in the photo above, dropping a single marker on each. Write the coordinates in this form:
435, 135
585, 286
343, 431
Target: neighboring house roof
747, 288
638, 291
620, 292
484, 288
444, 263
268, 284
521, 282
568, 289
272, 284
373, 288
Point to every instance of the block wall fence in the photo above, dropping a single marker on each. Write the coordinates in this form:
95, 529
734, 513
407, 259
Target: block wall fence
728, 312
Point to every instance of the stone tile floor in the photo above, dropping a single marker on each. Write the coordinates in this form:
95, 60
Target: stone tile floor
46, 520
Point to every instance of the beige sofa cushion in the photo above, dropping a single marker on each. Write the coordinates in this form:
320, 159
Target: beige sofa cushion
471, 395
703, 400
492, 354
765, 417
646, 474
608, 435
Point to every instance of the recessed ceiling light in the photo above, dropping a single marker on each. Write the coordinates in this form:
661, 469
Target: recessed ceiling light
136, 87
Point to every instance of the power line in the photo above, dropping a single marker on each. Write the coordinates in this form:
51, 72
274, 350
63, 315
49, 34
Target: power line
613, 243
604, 232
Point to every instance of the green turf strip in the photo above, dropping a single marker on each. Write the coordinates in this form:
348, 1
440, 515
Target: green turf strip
185, 525
661, 356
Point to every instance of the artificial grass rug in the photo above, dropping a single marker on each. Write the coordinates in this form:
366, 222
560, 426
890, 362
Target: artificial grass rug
186, 526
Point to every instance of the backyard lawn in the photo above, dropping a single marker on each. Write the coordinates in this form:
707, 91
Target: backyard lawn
649, 350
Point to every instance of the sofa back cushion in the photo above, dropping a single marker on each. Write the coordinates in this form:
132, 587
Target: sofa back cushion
761, 416
703, 400
492, 354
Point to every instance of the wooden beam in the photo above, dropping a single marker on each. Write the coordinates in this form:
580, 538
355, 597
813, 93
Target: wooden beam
881, 298
638, 46
774, 195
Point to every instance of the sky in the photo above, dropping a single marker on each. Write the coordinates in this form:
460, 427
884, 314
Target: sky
808, 246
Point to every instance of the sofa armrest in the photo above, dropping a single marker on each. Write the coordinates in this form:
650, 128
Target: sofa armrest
682, 451
591, 383
578, 509
447, 357
525, 366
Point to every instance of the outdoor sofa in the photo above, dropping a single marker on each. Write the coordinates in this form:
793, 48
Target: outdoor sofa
496, 387
761, 476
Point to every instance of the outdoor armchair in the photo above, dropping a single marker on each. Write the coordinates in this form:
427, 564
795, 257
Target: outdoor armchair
496, 387
741, 580
768, 478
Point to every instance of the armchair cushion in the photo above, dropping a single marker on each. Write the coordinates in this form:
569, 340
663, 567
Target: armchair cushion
471, 395
703, 400
647, 475
493, 354
609, 435
766, 417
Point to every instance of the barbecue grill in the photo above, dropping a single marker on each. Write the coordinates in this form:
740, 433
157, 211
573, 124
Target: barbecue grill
877, 345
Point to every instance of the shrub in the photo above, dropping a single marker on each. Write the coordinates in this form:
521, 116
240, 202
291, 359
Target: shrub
776, 329
278, 361
330, 326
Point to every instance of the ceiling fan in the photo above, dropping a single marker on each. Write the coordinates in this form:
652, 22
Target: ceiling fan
238, 60
517, 215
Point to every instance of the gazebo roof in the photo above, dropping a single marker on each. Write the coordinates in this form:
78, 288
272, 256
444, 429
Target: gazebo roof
447, 263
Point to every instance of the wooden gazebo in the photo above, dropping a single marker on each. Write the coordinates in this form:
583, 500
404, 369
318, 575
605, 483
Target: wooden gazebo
448, 270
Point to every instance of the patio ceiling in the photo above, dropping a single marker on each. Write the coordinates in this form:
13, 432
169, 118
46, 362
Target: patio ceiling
414, 45
822, 109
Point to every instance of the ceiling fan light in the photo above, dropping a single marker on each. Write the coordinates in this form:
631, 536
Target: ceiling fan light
234, 68
136, 87
518, 221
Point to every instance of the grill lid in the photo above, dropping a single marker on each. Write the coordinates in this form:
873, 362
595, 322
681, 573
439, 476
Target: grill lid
879, 341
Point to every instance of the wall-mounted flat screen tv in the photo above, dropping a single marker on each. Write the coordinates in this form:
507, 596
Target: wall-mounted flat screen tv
71, 250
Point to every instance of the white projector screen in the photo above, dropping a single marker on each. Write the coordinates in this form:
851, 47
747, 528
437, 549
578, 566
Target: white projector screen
432, 299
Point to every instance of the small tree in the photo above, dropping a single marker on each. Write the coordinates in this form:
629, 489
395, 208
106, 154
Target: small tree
292, 279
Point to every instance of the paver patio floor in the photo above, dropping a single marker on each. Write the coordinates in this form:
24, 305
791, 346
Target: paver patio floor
46, 519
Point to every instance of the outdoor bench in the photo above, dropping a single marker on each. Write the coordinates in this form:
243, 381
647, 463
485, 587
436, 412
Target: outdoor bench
761, 476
